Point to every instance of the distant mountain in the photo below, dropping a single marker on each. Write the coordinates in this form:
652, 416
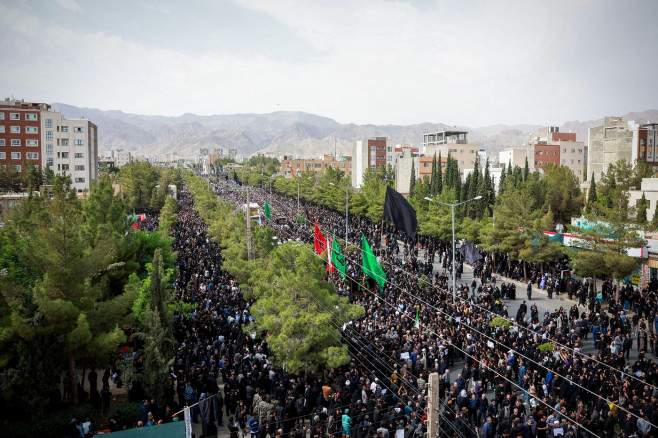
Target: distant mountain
285, 132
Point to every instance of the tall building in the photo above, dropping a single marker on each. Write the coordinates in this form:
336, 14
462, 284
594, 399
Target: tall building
121, 158
560, 148
70, 148
20, 133
618, 140
368, 154
454, 143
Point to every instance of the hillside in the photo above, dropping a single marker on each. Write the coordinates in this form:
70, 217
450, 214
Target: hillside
285, 132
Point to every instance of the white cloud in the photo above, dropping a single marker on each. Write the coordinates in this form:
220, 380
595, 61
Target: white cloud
69, 5
465, 63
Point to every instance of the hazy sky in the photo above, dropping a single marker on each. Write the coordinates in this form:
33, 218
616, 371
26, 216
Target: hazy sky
459, 62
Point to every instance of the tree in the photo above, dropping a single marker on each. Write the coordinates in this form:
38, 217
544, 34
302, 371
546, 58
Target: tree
563, 196
439, 176
412, 181
138, 180
526, 170
592, 198
156, 331
641, 217
433, 176
300, 313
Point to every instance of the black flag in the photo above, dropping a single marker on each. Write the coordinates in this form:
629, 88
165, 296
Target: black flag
470, 253
398, 211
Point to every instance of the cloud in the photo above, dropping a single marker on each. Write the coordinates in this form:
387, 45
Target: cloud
70, 5
464, 63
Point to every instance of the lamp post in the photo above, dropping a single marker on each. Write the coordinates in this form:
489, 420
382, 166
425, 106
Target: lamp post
454, 268
298, 181
347, 189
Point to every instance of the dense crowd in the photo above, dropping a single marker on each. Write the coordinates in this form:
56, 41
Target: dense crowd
510, 383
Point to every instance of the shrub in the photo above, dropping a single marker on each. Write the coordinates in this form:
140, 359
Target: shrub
129, 412
53, 422
500, 322
546, 347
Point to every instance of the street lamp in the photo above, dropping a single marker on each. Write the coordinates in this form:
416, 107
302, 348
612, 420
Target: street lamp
347, 189
454, 268
298, 181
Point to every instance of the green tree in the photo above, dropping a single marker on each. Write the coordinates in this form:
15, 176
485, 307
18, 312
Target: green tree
299, 311
563, 196
138, 180
641, 217
592, 198
412, 180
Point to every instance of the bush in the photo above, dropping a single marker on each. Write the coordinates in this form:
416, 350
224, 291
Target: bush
500, 322
54, 423
129, 412
423, 282
546, 347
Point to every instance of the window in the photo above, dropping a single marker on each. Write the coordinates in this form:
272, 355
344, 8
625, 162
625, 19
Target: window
641, 154
580, 151
18, 168
15, 142
31, 130
15, 155
79, 142
389, 149
64, 129
14, 116
426, 164
80, 180
372, 148
3, 155
63, 167
49, 149
2, 116
573, 151
49, 123
50, 162
32, 142
78, 129
79, 155
62, 154
15, 129
2, 129
564, 150
49, 135
32, 155
62, 142
79, 167
30, 116
2, 142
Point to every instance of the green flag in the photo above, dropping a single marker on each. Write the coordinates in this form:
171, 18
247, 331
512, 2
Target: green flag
370, 265
337, 257
417, 323
267, 209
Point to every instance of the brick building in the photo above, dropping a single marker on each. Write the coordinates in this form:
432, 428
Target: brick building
20, 133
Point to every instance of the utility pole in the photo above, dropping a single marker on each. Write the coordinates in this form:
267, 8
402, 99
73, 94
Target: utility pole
248, 227
433, 406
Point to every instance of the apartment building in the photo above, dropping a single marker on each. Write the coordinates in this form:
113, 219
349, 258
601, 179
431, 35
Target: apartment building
291, 167
559, 148
369, 154
618, 139
20, 133
70, 148
454, 143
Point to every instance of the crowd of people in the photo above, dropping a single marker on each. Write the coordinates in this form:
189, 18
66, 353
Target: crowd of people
527, 378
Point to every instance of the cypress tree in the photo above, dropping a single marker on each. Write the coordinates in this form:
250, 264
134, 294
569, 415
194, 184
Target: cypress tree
412, 181
433, 176
502, 181
526, 170
592, 196
642, 210
439, 176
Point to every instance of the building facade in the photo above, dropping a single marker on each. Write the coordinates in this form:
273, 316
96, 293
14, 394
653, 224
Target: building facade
454, 143
292, 167
368, 154
70, 148
617, 140
20, 133
559, 148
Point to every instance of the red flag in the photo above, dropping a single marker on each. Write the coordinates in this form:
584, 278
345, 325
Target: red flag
330, 265
292, 172
319, 242
135, 226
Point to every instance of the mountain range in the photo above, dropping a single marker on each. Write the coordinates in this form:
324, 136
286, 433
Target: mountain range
287, 132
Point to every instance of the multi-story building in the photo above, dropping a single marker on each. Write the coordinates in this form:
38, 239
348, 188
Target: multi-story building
515, 156
70, 148
560, 148
291, 167
368, 154
617, 140
454, 143
121, 158
20, 133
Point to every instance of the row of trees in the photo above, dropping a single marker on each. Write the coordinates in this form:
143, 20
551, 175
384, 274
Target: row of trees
294, 307
71, 271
